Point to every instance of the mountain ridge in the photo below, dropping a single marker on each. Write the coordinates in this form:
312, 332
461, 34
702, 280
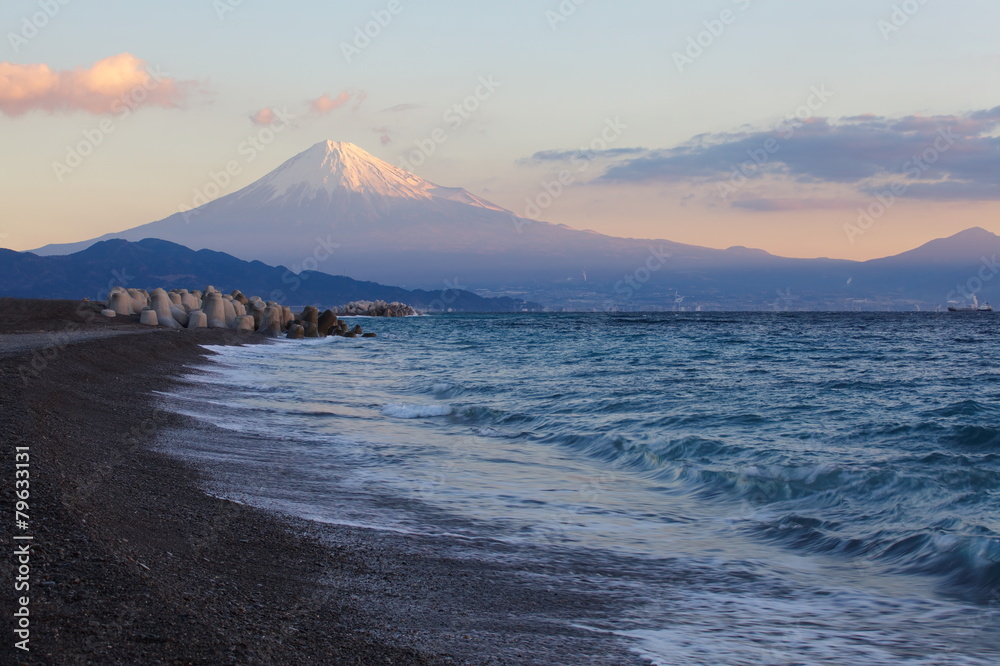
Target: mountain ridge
336, 208
152, 263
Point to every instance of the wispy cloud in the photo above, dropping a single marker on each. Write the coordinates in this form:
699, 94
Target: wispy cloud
324, 104
263, 117
111, 84
942, 157
760, 205
568, 155
399, 108
385, 134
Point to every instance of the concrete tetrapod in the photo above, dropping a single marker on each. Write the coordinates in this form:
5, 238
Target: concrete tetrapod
140, 299
197, 319
270, 321
244, 323
121, 302
148, 317
227, 304
180, 315
160, 303
215, 310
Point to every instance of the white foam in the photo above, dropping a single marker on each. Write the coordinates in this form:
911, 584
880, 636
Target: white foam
721, 628
494, 433
404, 411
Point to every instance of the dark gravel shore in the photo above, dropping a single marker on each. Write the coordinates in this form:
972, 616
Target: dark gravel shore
133, 563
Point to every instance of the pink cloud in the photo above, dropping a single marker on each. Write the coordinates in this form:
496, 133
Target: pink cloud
263, 117
384, 134
111, 85
325, 104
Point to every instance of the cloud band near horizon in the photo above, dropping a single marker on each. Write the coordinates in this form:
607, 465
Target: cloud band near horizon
939, 158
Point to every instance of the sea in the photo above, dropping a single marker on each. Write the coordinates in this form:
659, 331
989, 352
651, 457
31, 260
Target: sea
786, 488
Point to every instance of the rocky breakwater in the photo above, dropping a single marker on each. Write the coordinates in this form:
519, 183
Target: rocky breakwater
374, 309
184, 309
313, 324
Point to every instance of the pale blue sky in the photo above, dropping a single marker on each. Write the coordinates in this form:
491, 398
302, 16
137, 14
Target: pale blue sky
558, 88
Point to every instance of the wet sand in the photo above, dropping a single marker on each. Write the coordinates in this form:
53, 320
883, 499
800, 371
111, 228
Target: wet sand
134, 563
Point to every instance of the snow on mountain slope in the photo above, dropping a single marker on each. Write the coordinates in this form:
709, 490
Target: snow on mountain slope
332, 168
340, 209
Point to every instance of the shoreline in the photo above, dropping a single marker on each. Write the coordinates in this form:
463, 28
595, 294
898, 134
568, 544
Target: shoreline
133, 562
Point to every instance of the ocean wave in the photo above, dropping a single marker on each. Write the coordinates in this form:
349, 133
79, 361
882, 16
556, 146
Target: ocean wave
495, 433
964, 564
409, 411
962, 408
976, 438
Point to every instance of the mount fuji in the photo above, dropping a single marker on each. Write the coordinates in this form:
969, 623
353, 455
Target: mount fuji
339, 210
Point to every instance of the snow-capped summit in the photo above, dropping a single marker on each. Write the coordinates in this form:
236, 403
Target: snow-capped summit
333, 168
337, 208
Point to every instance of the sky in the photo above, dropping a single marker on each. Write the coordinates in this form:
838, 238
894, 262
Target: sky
851, 129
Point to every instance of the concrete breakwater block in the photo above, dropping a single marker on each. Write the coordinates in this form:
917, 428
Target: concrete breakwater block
160, 303
140, 299
230, 310
148, 317
190, 302
180, 315
121, 302
327, 321
192, 309
310, 315
245, 323
197, 319
215, 309
270, 321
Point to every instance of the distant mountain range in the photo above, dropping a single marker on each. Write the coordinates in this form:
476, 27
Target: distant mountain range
152, 263
336, 208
